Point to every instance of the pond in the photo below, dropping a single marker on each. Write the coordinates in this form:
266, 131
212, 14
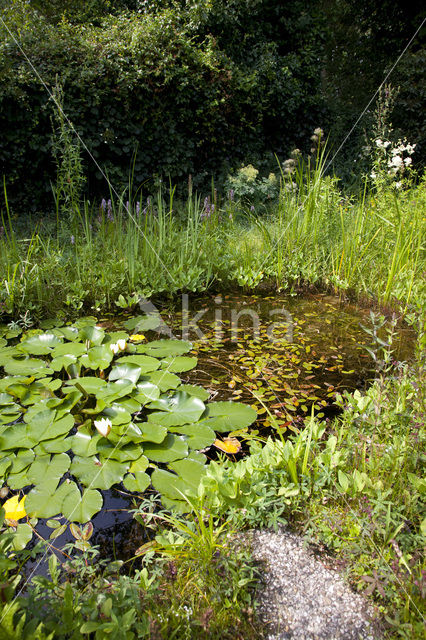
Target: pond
284, 356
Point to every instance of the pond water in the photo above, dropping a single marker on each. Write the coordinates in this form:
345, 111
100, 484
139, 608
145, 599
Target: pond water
285, 356
281, 352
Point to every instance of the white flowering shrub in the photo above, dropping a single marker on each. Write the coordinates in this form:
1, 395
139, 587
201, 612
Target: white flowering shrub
392, 163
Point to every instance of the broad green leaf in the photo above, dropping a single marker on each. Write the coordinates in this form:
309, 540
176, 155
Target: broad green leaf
146, 363
81, 508
98, 357
180, 408
146, 392
124, 453
137, 482
49, 470
22, 460
117, 414
163, 380
27, 366
172, 448
22, 536
185, 480
89, 384
85, 442
127, 371
92, 334
143, 323
194, 390
98, 474
46, 502
228, 416
150, 431
197, 435
166, 348
178, 364
141, 464
40, 344
59, 445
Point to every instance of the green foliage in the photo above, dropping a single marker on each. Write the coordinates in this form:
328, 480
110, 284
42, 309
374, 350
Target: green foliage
170, 84
97, 402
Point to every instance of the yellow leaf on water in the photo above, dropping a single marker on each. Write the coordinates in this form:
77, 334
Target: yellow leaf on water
14, 508
228, 445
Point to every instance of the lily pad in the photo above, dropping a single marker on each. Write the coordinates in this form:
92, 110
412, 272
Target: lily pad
179, 364
163, 380
40, 344
98, 357
197, 435
146, 363
228, 416
180, 408
185, 480
143, 323
166, 348
81, 508
98, 474
172, 448
27, 366
137, 482
127, 371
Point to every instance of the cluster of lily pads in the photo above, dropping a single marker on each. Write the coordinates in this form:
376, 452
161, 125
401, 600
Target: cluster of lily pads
83, 409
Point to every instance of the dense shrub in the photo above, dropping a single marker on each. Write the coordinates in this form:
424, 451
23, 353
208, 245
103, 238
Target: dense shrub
195, 89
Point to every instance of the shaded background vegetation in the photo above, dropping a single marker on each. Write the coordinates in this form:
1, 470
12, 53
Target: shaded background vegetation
197, 87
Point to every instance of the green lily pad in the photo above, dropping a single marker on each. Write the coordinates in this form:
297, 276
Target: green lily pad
137, 482
151, 432
172, 448
197, 435
117, 414
98, 474
180, 408
195, 390
143, 323
48, 470
128, 452
179, 364
40, 344
146, 392
125, 371
92, 334
185, 480
228, 416
89, 384
22, 536
166, 348
163, 380
59, 445
81, 508
98, 357
22, 460
27, 366
146, 363
46, 501
141, 464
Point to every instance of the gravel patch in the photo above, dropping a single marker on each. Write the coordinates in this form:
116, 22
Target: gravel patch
299, 598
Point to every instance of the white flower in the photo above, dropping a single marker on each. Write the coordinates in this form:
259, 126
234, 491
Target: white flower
386, 144
379, 143
398, 185
103, 426
373, 175
114, 348
396, 162
410, 148
121, 344
407, 161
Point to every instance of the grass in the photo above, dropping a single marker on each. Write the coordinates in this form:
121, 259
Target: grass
371, 245
353, 485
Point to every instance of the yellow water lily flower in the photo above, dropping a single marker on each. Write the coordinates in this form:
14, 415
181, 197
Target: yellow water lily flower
137, 337
14, 508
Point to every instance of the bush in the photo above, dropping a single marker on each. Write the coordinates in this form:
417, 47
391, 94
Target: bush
172, 84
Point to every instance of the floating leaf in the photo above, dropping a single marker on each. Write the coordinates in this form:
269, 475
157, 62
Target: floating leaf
92, 334
180, 408
228, 416
172, 448
163, 380
27, 366
166, 348
40, 344
195, 390
81, 508
143, 323
98, 474
228, 445
179, 364
185, 480
98, 357
198, 435
145, 363
128, 371
22, 536
137, 482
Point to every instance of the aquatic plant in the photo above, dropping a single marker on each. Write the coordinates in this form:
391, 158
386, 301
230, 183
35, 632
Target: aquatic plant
82, 410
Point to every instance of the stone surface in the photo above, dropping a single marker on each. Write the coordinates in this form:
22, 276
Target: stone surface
300, 599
